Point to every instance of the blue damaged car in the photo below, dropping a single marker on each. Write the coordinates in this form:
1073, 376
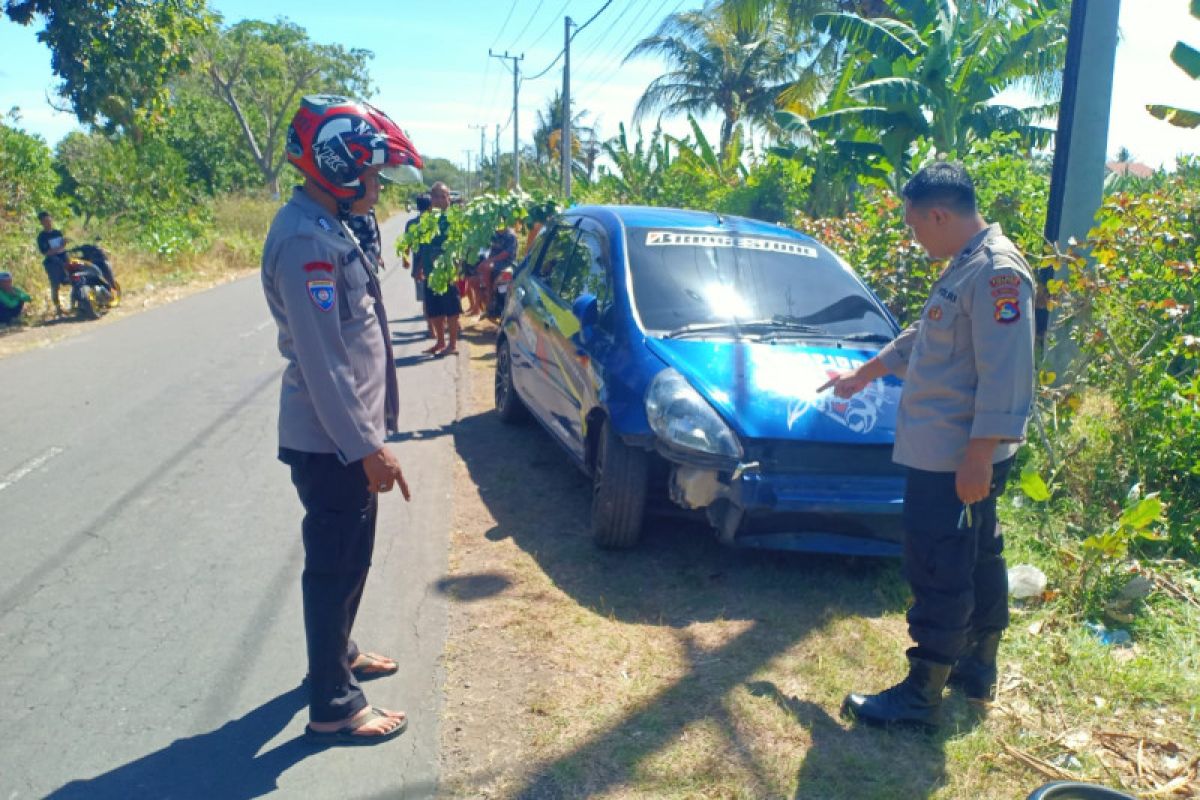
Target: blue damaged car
676, 356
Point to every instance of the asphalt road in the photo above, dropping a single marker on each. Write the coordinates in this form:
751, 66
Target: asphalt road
151, 638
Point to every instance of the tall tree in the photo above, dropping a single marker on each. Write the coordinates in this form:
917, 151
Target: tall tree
115, 57
260, 70
1187, 58
718, 60
548, 132
933, 70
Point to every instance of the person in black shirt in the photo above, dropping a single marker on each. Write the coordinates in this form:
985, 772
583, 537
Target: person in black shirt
442, 309
53, 247
424, 203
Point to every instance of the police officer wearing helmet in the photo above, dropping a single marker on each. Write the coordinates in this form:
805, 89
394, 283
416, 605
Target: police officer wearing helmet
339, 398
968, 373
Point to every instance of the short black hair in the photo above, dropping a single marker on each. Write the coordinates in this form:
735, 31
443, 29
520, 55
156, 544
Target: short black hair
43, 214
424, 203
942, 183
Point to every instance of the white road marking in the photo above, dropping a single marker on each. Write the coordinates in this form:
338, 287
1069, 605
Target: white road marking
256, 329
28, 467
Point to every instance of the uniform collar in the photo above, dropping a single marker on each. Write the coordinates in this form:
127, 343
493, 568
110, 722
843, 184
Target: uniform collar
976, 241
318, 212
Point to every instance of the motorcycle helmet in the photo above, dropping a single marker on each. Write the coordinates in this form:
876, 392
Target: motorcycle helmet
334, 139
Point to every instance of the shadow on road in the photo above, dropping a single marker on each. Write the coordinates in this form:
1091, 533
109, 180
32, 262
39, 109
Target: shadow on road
222, 763
679, 575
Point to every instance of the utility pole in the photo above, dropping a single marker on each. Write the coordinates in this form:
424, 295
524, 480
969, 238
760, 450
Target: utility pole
516, 73
482, 153
497, 143
564, 142
1077, 180
467, 153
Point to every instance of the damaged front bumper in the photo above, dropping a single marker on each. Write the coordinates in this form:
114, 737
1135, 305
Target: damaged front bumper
752, 505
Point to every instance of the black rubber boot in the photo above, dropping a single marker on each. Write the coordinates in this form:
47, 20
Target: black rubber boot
975, 672
916, 700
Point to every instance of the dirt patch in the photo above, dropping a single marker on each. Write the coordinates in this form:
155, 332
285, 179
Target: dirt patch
683, 669
673, 670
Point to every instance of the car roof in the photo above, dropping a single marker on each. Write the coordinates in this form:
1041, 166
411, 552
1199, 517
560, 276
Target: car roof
678, 218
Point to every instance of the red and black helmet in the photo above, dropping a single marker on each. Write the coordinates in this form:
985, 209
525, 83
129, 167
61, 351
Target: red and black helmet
334, 139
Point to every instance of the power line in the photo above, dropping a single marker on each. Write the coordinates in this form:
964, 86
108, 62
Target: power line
644, 19
577, 31
612, 72
528, 22
553, 21
638, 27
610, 30
511, 9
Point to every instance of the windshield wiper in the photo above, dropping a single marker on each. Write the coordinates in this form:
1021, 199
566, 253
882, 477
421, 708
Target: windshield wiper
771, 326
866, 337
703, 327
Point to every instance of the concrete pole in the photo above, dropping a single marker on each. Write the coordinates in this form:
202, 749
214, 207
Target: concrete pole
1081, 144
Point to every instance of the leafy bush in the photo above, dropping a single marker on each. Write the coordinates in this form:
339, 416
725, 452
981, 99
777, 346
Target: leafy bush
1131, 313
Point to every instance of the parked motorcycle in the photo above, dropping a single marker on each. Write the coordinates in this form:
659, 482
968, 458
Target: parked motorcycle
94, 289
501, 283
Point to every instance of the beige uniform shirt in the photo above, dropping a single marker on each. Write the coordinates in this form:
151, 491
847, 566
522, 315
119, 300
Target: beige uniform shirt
339, 381
967, 363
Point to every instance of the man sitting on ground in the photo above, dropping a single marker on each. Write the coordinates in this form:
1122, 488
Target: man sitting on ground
12, 300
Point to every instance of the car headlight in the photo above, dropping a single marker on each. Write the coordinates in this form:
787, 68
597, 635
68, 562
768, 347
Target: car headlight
681, 417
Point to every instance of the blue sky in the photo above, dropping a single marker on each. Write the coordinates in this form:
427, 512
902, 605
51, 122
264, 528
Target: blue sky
435, 78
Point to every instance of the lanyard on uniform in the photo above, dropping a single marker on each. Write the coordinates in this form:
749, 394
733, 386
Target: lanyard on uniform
371, 265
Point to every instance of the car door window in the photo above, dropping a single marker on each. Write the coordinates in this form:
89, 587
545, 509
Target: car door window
590, 274
559, 253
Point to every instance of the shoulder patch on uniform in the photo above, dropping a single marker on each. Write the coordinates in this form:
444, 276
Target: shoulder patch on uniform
1008, 310
1004, 280
1006, 291
935, 313
324, 223
322, 292
318, 266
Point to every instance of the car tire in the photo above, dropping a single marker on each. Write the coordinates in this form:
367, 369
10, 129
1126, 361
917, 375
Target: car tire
619, 478
509, 407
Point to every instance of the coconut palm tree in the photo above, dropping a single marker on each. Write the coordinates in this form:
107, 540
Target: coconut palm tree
718, 60
933, 70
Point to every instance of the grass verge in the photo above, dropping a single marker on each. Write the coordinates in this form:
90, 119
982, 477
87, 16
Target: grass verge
683, 669
240, 227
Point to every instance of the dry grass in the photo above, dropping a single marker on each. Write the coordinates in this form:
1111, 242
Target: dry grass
240, 227
685, 670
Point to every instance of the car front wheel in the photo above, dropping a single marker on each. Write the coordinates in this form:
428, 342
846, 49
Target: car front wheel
619, 477
508, 405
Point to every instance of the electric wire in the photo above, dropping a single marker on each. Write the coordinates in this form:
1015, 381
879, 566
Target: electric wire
511, 9
528, 22
574, 33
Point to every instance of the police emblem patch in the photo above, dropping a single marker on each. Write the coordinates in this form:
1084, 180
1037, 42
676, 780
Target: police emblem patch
1007, 310
935, 313
322, 293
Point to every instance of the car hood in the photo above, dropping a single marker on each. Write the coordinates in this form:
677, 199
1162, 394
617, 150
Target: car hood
769, 391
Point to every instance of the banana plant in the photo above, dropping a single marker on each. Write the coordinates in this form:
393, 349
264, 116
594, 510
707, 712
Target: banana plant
1187, 58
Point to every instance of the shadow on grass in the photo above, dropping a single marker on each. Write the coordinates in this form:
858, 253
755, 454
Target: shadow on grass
679, 575
221, 763
861, 762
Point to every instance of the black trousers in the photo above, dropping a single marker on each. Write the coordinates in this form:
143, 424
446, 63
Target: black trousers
956, 570
339, 537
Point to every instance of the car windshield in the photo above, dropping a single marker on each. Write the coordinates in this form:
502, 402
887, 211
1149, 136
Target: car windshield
714, 283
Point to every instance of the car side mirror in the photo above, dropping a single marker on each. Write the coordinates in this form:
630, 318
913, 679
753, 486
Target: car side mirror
587, 310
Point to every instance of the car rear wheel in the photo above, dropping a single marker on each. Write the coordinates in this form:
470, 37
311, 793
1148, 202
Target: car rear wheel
619, 477
509, 407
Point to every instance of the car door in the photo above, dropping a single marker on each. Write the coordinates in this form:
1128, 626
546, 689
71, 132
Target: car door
541, 314
522, 325
578, 381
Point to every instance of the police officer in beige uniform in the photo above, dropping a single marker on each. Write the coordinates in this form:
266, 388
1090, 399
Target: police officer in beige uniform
339, 397
968, 373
